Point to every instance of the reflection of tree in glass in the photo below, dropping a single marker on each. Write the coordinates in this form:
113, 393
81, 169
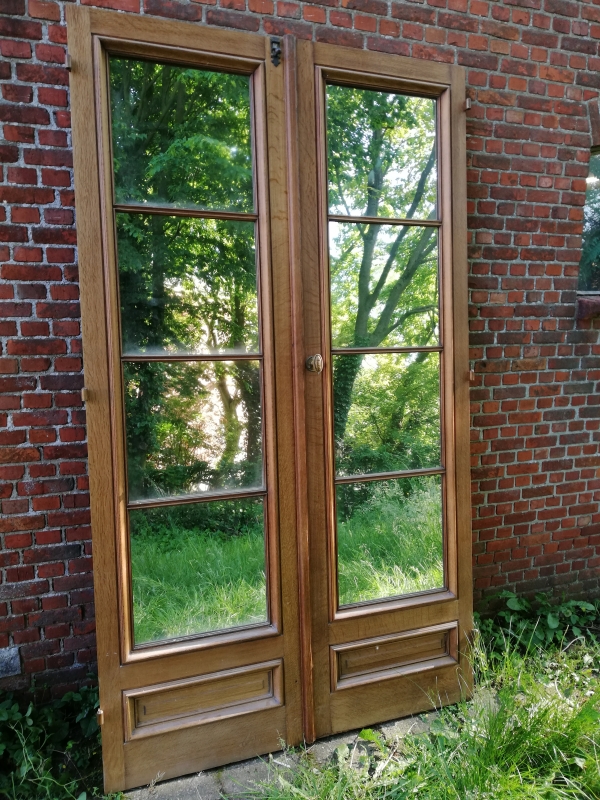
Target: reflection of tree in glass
381, 163
187, 285
181, 136
394, 416
589, 265
190, 427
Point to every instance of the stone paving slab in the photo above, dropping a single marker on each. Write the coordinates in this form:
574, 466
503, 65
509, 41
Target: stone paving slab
235, 779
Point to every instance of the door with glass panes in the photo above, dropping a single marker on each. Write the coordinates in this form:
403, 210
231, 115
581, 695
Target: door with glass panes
273, 310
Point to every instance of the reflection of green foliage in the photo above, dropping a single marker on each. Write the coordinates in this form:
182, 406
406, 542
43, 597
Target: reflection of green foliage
183, 427
394, 417
186, 284
378, 144
589, 266
392, 544
384, 279
182, 137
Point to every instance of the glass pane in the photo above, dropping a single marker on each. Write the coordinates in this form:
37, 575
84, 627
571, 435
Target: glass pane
589, 266
192, 427
389, 538
181, 136
384, 285
386, 412
197, 568
381, 154
186, 285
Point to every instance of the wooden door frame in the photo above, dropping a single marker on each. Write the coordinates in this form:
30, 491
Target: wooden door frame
331, 627
123, 669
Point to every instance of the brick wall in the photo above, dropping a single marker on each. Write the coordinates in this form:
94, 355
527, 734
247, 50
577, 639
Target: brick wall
532, 68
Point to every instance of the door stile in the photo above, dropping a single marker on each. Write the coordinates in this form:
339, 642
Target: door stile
461, 367
294, 59
284, 415
312, 315
90, 248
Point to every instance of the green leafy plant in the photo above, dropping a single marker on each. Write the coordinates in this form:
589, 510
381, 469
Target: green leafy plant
531, 732
51, 750
541, 622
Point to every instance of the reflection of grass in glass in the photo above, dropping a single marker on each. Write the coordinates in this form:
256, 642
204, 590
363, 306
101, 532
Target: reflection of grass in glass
201, 582
392, 545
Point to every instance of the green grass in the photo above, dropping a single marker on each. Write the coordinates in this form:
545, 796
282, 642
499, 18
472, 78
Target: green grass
204, 581
532, 732
392, 544
189, 580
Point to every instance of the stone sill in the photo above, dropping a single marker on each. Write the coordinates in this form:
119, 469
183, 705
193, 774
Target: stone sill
588, 306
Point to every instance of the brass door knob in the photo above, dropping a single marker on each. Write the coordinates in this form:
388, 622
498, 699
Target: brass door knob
315, 363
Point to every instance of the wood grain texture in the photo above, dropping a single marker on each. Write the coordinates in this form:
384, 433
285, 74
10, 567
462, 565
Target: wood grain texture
294, 59
283, 369
371, 703
409, 71
99, 426
191, 685
388, 616
124, 668
183, 751
183, 704
385, 657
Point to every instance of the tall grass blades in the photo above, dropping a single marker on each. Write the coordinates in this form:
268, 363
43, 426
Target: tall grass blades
392, 544
532, 732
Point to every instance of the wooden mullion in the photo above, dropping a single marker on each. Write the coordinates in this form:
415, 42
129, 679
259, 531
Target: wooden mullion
414, 223
205, 497
389, 476
175, 357
197, 213
358, 351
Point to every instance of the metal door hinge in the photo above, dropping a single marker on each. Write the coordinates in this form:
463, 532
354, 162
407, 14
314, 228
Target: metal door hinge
275, 50
467, 103
100, 717
85, 395
69, 63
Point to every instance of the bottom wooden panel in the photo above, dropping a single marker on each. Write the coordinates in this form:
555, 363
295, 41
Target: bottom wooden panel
372, 703
387, 657
180, 752
182, 704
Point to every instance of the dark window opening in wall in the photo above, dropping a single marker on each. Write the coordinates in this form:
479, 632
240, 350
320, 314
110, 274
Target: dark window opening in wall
589, 266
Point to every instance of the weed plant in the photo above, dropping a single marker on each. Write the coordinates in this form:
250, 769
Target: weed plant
532, 732
50, 751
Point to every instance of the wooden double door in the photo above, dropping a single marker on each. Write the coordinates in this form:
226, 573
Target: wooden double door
273, 277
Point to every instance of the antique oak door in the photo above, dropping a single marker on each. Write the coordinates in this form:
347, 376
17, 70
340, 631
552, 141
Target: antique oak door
382, 254
272, 273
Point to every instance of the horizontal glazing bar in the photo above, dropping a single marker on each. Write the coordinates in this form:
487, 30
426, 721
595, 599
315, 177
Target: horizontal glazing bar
167, 357
350, 351
169, 211
417, 223
379, 476
205, 497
